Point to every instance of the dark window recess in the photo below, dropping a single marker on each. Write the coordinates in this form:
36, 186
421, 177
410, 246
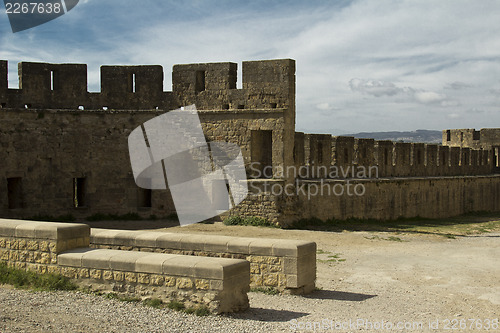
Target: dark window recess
79, 189
200, 81
3, 105
386, 155
273, 105
476, 135
144, 198
448, 135
262, 152
241, 106
225, 107
320, 153
461, 136
15, 192
419, 157
443, 159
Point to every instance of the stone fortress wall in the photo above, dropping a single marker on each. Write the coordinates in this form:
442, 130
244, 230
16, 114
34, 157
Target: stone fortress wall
65, 149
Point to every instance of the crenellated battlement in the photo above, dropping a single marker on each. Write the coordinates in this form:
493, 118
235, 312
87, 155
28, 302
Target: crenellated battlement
212, 86
395, 159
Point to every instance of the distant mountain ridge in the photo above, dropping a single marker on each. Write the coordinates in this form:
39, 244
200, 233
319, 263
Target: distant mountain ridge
425, 136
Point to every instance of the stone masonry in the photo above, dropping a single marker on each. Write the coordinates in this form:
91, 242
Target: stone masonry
64, 149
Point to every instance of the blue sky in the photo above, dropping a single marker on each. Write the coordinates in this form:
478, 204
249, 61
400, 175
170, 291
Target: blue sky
362, 65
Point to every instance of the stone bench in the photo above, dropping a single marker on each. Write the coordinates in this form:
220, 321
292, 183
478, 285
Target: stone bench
288, 265
220, 284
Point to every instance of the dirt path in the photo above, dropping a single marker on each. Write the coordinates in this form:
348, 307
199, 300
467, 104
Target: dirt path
367, 279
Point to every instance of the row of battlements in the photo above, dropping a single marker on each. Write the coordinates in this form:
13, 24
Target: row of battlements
390, 159
266, 84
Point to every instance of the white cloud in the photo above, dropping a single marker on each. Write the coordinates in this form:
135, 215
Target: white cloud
429, 97
325, 106
374, 87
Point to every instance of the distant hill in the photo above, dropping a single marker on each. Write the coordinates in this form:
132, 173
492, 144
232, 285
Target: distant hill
425, 136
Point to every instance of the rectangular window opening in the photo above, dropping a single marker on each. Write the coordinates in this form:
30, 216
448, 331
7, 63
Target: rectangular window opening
133, 83
15, 192
79, 189
476, 135
448, 135
262, 152
200, 81
52, 80
145, 198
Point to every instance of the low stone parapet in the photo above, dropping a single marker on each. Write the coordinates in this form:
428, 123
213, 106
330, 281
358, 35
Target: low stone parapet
220, 284
288, 265
35, 245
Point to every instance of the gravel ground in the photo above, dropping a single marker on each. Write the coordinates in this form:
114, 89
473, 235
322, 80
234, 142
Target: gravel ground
366, 278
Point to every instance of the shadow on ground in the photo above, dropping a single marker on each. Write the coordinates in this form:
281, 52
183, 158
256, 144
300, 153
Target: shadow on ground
133, 225
339, 295
416, 225
268, 315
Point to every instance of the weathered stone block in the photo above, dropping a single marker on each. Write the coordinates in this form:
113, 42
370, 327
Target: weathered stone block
69, 272
184, 283
170, 281
83, 273
131, 277
202, 284
96, 274
156, 280
107, 275
118, 276
143, 278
